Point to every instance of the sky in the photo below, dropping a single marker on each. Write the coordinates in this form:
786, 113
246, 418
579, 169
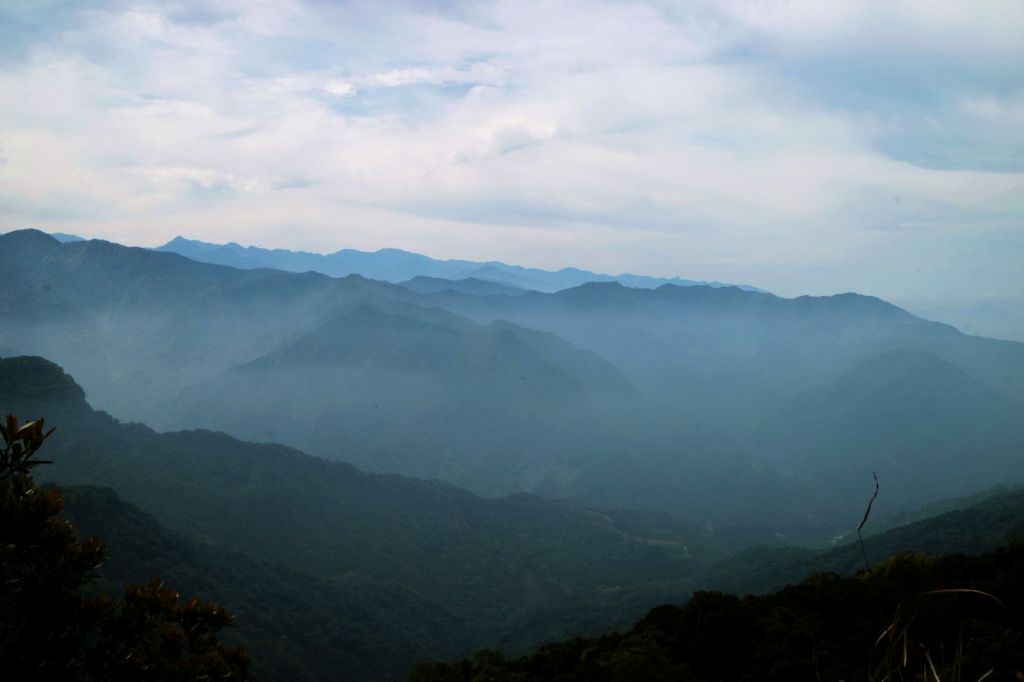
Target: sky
803, 147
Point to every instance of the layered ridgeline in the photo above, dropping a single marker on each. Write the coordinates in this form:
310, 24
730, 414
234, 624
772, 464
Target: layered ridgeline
338, 574
408, 564
823, 389
373, 374
395, 265
731, 408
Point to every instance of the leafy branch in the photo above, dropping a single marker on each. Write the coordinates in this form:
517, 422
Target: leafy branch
21, 442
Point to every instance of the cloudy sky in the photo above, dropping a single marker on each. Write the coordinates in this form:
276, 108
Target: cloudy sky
805, 147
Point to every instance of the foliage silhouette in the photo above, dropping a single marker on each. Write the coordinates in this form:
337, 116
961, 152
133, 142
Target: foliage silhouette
50, 630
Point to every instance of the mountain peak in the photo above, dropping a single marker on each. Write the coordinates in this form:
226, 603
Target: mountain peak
30, 234
29, 244
596, 291
32, 378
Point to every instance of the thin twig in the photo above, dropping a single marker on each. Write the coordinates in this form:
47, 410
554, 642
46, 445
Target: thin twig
867, 513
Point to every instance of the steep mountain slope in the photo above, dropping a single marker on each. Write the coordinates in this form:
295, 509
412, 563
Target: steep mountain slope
926, 427
490, 562
977, 528
395, 265
496, 409
415, 390
971, 526
297, 626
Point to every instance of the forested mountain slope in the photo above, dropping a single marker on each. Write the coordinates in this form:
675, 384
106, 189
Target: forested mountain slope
452, 571
297, 626
977, 528
893, 622
737, 410
489, 562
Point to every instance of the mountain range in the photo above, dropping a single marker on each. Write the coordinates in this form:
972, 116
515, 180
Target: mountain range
488, 466
395, 265
1000, 318
754, 415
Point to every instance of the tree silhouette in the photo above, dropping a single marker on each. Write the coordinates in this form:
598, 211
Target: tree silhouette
49, 629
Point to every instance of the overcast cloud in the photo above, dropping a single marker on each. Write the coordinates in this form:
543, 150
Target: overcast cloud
805, 147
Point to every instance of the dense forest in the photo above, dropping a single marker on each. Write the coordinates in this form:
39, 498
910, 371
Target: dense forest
911, 617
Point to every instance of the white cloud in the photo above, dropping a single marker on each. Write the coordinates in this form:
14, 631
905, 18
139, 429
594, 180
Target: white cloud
339, 88
703, 140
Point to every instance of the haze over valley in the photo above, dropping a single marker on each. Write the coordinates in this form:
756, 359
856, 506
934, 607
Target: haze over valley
512, 341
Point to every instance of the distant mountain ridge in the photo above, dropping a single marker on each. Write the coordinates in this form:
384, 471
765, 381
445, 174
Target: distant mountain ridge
395, 265
755, 414
471, 286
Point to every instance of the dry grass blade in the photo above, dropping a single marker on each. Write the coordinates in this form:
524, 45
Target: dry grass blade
964, 590
958, 657
931, 666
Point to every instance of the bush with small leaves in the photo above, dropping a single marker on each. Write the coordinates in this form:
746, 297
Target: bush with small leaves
50, 630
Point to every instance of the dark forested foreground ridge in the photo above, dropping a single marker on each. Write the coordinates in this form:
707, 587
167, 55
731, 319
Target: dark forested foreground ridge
338, 574
742, 413
911, 618
298, 626
50, 631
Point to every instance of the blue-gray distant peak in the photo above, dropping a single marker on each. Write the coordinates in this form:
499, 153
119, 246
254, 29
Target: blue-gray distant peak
398, 266
65, 237
62, 237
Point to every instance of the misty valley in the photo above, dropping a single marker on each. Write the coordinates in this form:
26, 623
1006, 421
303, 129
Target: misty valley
512, 341
383, 468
